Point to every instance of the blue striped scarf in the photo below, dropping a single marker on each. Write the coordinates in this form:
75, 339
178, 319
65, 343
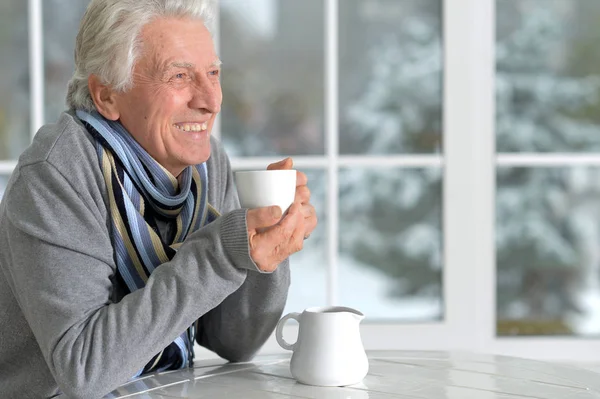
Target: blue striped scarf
139, 191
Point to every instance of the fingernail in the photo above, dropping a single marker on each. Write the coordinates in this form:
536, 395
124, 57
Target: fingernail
276, 211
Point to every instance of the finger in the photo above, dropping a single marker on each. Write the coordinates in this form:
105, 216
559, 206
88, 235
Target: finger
308, 211
262, 217
301, 178
296, 242
310, 219
273, 245
285, 227
302, 194
294, 232
287, 163
310, 223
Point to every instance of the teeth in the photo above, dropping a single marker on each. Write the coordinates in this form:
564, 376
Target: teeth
191, 127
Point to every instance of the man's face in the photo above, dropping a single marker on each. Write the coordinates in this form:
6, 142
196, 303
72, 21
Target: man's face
176, 93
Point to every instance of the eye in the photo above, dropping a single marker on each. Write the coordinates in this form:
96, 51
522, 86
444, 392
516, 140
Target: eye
214, 72
179, 77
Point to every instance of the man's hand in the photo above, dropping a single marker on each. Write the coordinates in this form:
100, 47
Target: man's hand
272, 238
302, 195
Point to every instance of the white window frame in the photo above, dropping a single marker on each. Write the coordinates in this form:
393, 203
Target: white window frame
469, 161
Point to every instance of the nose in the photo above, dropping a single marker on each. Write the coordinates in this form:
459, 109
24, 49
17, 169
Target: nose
206, 96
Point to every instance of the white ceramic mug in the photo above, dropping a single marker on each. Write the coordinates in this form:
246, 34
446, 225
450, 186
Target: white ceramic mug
260, 188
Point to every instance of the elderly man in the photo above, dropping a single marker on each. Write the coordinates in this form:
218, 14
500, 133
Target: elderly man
122, 238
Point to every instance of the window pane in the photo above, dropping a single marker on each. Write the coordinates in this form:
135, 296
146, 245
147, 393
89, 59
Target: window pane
309, 266
548, 251
548, 76
61, 23
391, 242
273, 77
14, 79
390, 71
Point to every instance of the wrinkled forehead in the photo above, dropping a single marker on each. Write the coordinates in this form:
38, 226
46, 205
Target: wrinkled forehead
168, 41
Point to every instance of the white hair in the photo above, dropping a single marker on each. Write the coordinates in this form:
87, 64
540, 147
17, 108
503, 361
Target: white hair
108, 42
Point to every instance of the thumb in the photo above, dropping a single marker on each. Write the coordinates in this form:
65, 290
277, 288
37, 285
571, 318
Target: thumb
263, 217
286, 163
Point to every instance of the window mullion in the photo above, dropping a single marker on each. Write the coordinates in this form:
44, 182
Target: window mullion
469, 269
36, 65
332, 145
554, 159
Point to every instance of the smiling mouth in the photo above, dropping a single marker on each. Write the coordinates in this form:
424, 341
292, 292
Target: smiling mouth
191, 127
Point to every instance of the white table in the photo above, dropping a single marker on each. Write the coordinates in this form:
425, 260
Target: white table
392, 374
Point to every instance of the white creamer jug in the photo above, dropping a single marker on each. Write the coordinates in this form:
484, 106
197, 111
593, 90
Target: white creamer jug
329, 350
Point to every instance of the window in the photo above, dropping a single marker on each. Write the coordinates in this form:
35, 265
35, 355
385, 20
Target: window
451, 146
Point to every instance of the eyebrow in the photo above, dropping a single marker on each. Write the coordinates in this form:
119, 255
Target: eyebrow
180, 65
217, 63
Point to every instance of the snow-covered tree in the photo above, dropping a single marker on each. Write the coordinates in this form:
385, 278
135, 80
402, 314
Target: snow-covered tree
535, 102
400, 108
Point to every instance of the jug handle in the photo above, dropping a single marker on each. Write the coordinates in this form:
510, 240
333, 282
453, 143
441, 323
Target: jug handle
279, 331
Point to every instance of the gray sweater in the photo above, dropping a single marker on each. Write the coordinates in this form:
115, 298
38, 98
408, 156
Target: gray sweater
66, 324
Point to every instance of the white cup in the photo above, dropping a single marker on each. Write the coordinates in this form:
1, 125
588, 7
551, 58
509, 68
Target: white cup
260, 188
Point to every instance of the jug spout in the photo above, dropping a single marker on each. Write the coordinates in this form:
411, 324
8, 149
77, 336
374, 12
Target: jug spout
356, 315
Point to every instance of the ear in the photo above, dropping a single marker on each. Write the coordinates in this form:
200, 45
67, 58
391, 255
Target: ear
104, 98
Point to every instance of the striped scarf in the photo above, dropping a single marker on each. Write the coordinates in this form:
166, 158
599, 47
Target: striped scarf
139, 191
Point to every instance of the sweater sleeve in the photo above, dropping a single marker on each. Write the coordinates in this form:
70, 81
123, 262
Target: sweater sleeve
238, 327
62, 272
